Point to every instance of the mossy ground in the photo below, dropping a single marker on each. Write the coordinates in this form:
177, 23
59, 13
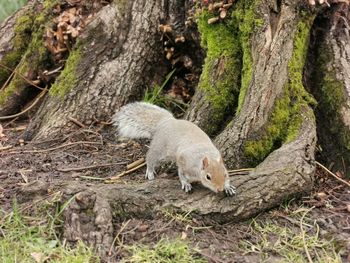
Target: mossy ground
285, 120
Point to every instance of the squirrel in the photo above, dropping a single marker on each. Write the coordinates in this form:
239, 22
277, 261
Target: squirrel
196, 157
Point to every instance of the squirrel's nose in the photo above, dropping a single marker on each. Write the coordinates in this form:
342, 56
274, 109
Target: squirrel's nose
220, 189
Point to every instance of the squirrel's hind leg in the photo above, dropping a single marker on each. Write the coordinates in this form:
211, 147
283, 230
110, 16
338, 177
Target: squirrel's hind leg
152, 161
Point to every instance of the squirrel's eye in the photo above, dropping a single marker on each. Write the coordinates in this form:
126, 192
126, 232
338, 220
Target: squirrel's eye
208, 177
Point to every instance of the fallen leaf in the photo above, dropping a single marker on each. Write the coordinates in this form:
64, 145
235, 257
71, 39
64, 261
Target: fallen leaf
38, 257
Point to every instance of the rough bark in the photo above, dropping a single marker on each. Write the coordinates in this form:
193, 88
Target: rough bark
123, 43
272, 49
329, 82
11, 52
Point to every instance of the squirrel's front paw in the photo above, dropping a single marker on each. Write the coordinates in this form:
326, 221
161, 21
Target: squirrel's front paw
149, 174
230, 190
187, 187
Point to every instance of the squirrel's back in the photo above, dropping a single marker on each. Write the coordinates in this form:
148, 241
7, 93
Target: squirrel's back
139, 119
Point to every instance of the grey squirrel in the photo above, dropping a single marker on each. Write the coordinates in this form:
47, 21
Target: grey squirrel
196, 157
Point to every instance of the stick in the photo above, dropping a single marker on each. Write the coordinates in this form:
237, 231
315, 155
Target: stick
303, 237
81, 125
8, 79
241, 170
5, 147
91, 178
27, 109
113, 178
88, 167
136, 163
332, 174
54, 148
23, 77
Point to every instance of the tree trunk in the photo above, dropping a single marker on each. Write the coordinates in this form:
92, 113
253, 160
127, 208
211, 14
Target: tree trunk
251, 95
329, 82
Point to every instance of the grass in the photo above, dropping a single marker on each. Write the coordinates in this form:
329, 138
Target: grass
165, 251
28, 239
300, 242
155, 95
8, 7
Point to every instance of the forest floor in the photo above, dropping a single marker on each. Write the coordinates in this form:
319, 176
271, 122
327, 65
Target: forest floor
315, 228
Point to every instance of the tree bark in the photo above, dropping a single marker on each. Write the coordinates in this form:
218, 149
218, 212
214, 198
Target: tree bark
123, 44
329, 82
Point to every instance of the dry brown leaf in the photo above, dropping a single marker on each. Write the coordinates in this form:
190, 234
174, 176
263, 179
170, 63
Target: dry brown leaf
38, 257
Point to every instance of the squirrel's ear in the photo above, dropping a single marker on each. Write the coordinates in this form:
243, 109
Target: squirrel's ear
205, 162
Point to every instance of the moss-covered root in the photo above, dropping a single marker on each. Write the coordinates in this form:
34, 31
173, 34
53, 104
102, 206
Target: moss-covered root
285, 120
220, 77
29, 54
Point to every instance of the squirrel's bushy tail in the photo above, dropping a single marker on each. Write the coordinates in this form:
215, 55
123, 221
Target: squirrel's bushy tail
139, 119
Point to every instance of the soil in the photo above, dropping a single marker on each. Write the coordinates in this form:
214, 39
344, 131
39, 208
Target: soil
70, 157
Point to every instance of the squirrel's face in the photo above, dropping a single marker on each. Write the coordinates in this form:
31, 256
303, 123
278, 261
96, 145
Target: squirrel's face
213, 174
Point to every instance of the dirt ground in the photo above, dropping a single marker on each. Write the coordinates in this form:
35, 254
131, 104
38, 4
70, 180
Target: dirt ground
91, 154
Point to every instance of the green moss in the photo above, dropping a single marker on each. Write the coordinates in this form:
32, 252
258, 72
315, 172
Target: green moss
331, 97
221, 72
122, 6
227, 68
23, 30
67, 79
285, 120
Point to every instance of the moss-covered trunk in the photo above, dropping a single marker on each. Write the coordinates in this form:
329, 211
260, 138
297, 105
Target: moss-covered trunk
329, 81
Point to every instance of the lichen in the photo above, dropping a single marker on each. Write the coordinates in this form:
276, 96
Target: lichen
285, 120
67, 79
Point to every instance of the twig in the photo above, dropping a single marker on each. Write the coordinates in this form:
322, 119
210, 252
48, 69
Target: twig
54, 148
9, 78
332, 174
241, 170
23, 77
75, 121
27, 109
88, 167
113, 178
124, 225
303, 237
91, 178
19, 128
136, 163
5, 147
